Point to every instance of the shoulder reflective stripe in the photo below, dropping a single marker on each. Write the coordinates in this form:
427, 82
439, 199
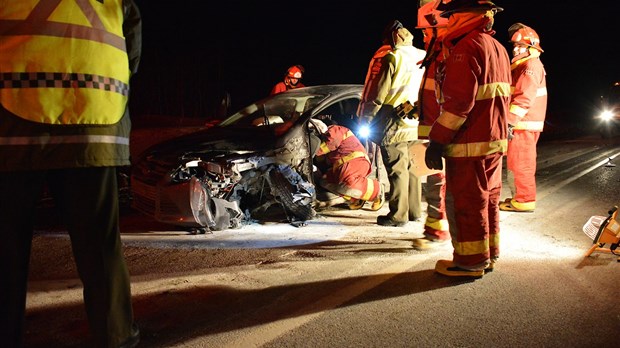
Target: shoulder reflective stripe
476, 149
347, 134
492, 90
37, 23
70, 139
471, 248
541, 91
62, 80
517, 110
530, 125
450, 120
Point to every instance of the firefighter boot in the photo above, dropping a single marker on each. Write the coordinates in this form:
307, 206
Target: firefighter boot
447, 268
379, 201
356, 204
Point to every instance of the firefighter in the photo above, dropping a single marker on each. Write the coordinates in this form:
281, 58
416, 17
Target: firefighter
387, 106
346, 165
433, 29
65, 125
526, 119
292, 80
471, 133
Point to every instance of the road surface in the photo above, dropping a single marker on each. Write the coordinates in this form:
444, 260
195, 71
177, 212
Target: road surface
343, 281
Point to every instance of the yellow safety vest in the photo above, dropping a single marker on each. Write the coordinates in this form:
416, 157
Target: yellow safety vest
38, 81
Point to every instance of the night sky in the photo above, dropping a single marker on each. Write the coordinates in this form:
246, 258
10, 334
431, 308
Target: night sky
193, 52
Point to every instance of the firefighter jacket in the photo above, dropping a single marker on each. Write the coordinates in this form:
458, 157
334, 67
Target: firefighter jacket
393, 78
64, 85
528, 105
284, 86
473, 121
429, 103
349, 165
340, 146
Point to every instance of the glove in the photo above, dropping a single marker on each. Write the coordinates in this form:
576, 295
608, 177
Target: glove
433, 155
511, 133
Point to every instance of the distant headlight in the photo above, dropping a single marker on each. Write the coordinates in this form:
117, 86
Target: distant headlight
606, 115
363, 131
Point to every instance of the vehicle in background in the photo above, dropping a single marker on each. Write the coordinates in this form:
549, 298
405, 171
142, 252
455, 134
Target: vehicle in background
609, 115
253, 165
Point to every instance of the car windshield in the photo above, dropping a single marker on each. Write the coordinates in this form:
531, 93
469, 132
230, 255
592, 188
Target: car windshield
277, 109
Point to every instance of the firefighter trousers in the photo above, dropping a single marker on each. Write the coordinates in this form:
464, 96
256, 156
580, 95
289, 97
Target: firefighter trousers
521, 166
473, 188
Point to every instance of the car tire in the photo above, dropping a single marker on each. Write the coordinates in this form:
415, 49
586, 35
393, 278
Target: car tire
282, 189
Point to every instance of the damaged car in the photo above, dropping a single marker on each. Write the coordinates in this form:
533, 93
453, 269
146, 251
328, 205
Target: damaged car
252, 166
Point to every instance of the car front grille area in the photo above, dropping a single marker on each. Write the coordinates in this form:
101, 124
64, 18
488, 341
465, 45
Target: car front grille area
144, 185
144, 196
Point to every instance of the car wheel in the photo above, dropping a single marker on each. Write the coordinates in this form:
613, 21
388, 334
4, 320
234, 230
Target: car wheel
284, 192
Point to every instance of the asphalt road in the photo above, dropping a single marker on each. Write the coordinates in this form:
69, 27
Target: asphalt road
343, 281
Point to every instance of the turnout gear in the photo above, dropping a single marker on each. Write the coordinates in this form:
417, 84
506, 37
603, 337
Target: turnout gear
472, 128
292, 80
528, 106
434, 28
348, 164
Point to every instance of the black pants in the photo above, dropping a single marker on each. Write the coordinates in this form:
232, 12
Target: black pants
87, 200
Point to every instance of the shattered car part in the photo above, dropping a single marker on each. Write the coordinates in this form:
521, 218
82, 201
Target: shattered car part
252, 165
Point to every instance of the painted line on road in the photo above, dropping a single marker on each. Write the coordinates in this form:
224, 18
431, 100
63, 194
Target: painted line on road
554, 187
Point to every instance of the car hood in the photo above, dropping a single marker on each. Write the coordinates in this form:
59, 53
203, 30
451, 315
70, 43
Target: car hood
214, 142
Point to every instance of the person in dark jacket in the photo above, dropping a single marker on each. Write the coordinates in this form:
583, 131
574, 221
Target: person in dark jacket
64, 125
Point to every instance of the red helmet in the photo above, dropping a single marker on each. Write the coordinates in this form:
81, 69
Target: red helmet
521, 34
296, 72
448, 7
428, 15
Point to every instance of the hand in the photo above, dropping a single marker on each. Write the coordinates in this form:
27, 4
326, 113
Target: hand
511, 133
433, 156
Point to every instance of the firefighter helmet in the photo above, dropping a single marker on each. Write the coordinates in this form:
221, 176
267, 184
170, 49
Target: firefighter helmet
521, 34
448, 7
428, 15
295, 72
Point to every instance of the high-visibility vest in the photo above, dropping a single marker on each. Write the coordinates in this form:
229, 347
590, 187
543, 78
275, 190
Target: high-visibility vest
64, 62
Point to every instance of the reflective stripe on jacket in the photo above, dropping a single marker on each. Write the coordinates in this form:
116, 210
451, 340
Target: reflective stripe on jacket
40, 83
66, 119
529, 94
473, 122
341, 146
397, 81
